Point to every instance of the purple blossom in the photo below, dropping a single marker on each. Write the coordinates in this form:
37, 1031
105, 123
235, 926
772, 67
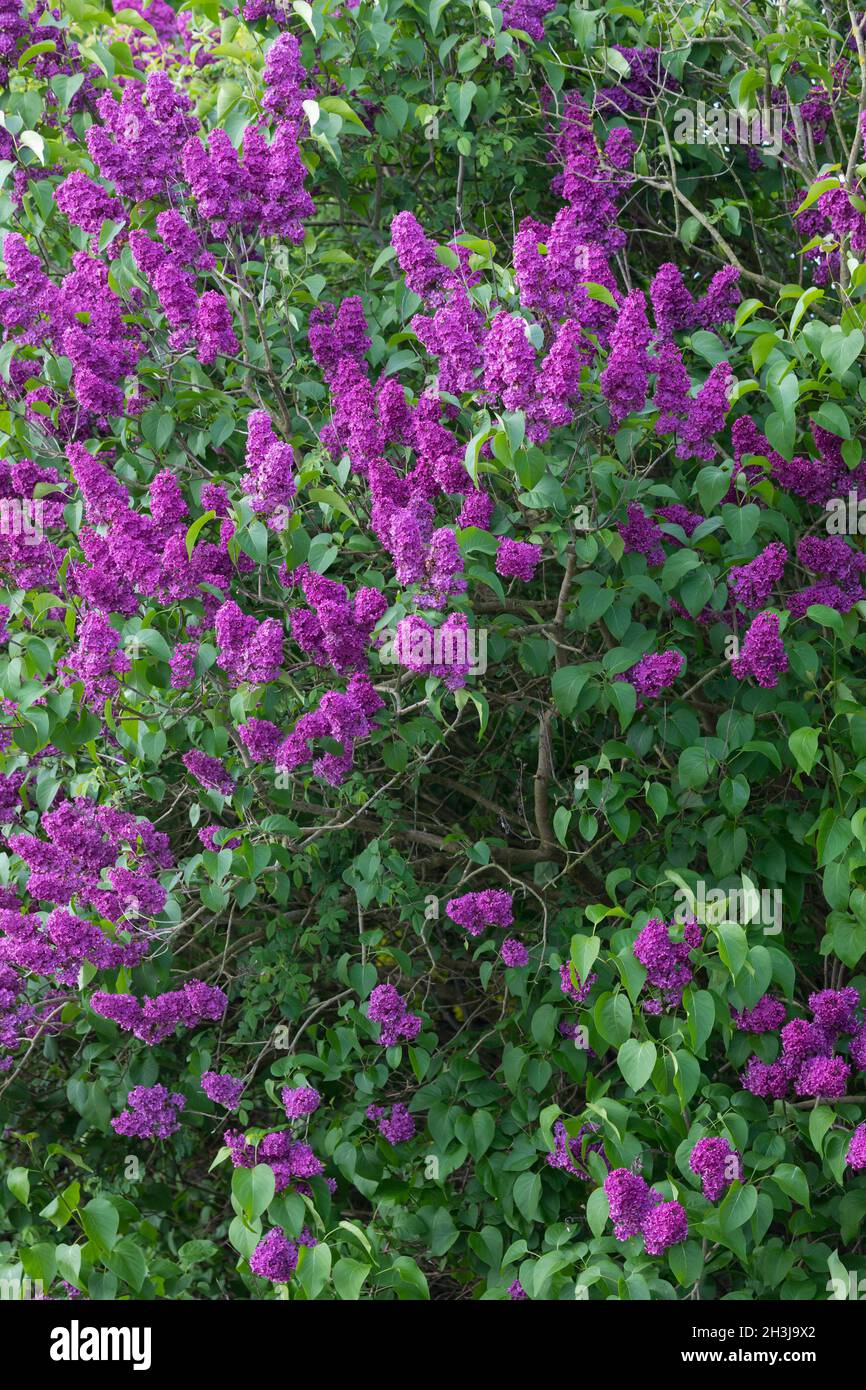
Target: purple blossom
717, 1165
630, 1201
641, 536
568, 1151
299, 1101
152, 1113
665, 1225
517, 559
752, 584
856, 1154
653, 673
767, 1016
762, 654
823, 1077
275, 1257
474, 911
388, 1008
625, 378
224, 1089
398, 1127
667, 963
578, 992
513, 953
208, 771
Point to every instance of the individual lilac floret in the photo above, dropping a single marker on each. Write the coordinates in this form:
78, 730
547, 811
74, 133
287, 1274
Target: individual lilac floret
856, 1155
517, 559
513, 953
666, 1225
222, 1088
475, 911
575, 992
767, 1015
152, 1113
398, 1128
630, 1201
717, 1165
275, 1257
388, 1007
299, 1101
652, 674
763, 654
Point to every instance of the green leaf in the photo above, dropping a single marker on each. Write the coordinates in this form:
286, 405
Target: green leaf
566, 685
584, 953
194, 530
597, 1211
794, 1182
738, 1206
18, 1182
803, 743
527, 1194
636, 1061
614, 1019
127, 1261
349, 1276
840, 350
820, 1120
100, 1221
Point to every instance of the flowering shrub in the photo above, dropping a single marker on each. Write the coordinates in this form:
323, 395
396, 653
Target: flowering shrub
433, 726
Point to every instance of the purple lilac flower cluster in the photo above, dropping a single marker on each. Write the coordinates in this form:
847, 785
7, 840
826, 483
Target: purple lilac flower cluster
152, 1113
667, 963
717, 1165
808, 1063
569, 1152
398, 1127
637, 1209
158, 1017
223, 1088
474, 912
388, 1008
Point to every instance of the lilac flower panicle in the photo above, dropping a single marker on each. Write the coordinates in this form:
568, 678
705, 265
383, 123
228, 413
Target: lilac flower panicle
152, 1113
717, 1165
630, 1201
299, 1101
275, 1257
513, 953
766, 1017
475, 911
221, 1087
666, 1225
855, 1156
398, 1127
576, 993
